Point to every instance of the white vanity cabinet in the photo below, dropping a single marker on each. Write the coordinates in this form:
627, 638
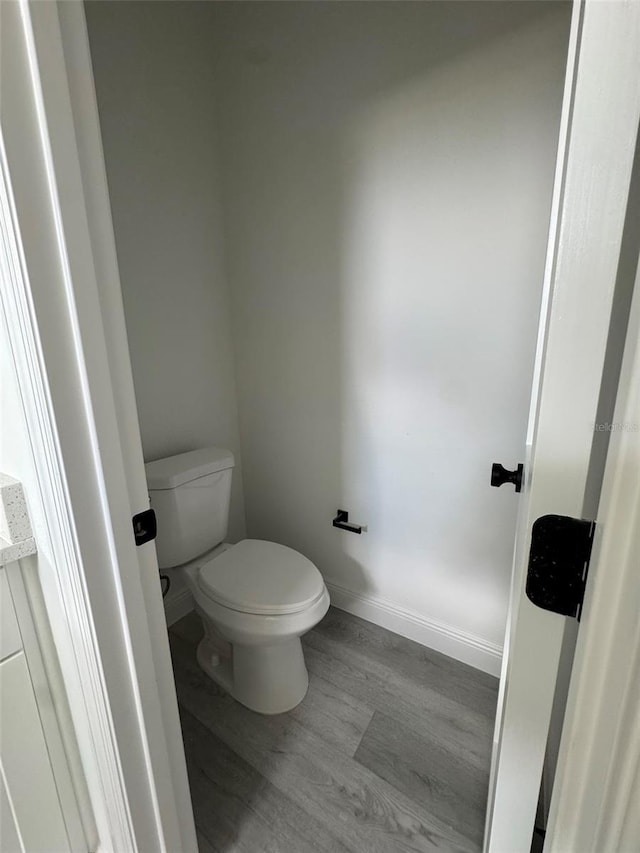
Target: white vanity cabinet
31, 813
31, 816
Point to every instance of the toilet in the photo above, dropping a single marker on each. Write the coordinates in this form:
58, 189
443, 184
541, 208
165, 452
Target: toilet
256, 599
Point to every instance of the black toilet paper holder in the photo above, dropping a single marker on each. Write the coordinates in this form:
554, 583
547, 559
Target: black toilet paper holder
342, 522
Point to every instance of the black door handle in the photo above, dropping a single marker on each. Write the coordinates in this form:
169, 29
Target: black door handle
500, 476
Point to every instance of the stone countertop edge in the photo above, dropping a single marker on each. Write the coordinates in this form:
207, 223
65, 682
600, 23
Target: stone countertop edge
16, 536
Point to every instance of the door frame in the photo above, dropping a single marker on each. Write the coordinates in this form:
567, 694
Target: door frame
61, 297
68, 338
596, 798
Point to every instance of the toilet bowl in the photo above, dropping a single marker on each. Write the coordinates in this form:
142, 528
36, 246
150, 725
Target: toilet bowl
256, 599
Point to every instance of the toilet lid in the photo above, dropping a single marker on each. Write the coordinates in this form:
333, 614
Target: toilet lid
255, 576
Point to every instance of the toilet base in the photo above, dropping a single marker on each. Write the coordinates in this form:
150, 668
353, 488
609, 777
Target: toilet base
269, 679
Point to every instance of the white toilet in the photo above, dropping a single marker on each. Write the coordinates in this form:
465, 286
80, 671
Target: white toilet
256, 599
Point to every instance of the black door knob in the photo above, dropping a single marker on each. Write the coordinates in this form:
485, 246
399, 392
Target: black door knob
500, 476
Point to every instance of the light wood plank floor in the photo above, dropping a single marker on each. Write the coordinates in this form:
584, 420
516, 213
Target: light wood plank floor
388, 752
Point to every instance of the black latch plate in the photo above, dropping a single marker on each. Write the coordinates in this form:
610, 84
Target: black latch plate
144, 526
558, 563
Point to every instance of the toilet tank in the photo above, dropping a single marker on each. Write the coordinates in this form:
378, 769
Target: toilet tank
190, 495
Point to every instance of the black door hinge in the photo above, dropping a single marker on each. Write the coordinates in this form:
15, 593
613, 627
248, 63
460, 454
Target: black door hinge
559, 562
144, 526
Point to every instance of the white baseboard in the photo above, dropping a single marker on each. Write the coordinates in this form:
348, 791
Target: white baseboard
457, 644
178, 605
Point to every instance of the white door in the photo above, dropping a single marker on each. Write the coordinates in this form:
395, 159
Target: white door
565, 454
599, 125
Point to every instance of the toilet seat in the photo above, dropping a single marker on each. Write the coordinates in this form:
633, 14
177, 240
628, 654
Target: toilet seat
261, 578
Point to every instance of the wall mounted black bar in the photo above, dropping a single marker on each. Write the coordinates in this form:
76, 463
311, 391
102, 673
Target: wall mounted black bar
341, 521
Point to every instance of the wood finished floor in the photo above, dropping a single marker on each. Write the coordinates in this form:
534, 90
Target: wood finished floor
388, 752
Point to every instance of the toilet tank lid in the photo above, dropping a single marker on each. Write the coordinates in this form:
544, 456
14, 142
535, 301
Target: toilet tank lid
173, 471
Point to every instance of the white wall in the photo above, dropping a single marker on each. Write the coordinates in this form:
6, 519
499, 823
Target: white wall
386, 176
153, 73
379, 178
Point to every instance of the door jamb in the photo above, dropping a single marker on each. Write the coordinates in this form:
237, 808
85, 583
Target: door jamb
596, 799
125, 711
